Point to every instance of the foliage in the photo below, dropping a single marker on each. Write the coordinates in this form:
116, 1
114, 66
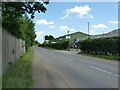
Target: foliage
46, 37
16, 21
12, 12
19, 75
104, 46
50, 37
27, 32
58, 45
36, 42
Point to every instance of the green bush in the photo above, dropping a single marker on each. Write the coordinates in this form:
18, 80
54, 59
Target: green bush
58, 45
104, 46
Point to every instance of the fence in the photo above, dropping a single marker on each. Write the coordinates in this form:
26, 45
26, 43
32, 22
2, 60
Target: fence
0, 57
12, 49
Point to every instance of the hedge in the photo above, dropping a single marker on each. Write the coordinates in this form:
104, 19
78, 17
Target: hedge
104, 46
58, 45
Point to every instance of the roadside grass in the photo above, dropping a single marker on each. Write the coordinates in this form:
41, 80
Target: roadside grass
0, 82
50, 48
19, 75
117, 58
55, 49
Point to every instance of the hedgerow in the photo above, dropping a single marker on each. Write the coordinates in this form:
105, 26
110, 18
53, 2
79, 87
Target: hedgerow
104, 46
58, 45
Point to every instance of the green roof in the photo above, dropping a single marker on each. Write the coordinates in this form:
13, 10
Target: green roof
76, 35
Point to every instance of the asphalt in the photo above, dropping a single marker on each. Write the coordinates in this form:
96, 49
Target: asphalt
63, 69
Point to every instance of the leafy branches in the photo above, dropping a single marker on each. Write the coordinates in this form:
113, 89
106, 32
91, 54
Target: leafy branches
12, 12
17, 9
16, 21
27, 32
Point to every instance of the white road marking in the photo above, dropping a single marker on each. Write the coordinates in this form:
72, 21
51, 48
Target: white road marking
68, 58
63, 57
117, 75
52, 53
104, 71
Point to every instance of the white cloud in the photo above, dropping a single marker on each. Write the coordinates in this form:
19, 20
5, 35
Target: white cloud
113, 22
92, 32
65, 28
79, 10
44, 22
52, 26
90, 16
72, 29
99, 26
40, 36
66, 16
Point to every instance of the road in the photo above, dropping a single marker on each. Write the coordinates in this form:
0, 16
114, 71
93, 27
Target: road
56, 69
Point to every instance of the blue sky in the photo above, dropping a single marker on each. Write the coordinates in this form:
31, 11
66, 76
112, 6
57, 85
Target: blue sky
74, 16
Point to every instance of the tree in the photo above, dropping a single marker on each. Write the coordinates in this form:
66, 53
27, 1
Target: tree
50, 37
12, 12
36, 42
16, 21
46, 37
27, 31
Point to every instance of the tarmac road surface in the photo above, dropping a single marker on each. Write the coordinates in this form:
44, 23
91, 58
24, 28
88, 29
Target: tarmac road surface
57, 69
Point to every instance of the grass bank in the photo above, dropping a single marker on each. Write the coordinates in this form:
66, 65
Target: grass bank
50, 48
19, 75
101, 56
55, 48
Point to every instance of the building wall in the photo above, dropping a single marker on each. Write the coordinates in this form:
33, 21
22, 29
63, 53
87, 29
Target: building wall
12, 49
77, 36
73, 36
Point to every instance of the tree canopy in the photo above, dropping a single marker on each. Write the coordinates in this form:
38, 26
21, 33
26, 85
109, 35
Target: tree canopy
49, 37
27, 31
12, 12
16, 21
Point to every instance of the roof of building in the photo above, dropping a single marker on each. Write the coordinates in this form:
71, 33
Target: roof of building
73, 34
83, 36
113, 33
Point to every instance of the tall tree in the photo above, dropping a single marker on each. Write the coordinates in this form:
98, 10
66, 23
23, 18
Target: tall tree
27, 31
13, 11
51, 37
48, 37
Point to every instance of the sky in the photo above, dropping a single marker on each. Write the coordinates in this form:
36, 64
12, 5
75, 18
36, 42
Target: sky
74, 16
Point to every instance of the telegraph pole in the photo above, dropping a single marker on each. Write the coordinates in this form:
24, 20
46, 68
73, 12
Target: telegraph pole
103, 34
68, 39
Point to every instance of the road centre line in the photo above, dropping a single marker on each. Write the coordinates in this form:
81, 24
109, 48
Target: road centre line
90, 66
117, 75
103, 71
63, 57
68, 58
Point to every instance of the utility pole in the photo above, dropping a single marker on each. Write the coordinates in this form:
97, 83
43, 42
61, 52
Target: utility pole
88, 30
68, 38
103, 34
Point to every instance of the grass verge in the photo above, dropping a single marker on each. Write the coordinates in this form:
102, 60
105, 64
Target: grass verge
50, 48
101, 56
54, 48
19, 75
